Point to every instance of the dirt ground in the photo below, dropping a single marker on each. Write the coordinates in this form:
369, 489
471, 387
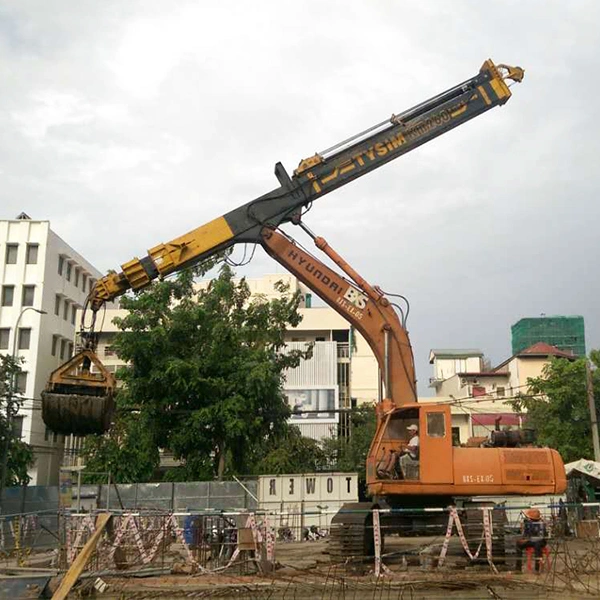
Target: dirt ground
304, 572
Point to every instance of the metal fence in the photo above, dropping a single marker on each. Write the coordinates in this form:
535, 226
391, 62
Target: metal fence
41, 504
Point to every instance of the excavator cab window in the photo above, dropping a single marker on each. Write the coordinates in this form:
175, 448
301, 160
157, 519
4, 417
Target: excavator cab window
396, 460
436, 425
397, 427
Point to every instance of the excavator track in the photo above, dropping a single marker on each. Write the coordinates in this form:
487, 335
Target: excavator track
351, 533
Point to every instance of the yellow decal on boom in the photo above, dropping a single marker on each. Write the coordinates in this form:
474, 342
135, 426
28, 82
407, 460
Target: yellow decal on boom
484, 94
500, 88
459, 111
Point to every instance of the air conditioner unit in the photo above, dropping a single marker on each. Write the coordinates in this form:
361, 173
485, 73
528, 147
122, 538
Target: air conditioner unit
464, 381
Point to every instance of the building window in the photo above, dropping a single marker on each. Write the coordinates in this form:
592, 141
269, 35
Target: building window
69, 268
31, 256
4, 337
54, 344
73, 313
21, 382
500, 392
456, 436
57, 305
70, 350
109, 351
28, 295
66, 310
61, 264
8, 294
460, 365
63, 349
24, 338
91, 285
11, 253
76, 277
83, 281
17, 427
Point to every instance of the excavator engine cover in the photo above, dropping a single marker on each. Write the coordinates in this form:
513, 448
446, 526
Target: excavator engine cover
79, 397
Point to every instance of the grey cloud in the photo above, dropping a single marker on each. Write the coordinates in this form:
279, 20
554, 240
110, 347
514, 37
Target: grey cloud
180, 113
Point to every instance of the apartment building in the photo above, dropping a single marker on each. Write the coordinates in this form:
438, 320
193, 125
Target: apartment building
481, 395
44, 283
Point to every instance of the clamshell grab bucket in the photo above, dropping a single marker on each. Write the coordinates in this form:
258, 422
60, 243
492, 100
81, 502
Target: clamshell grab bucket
79, 397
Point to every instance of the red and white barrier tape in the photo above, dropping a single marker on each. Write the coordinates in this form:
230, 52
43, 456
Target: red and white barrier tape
270, 540
86, 525
379, 566
486, 536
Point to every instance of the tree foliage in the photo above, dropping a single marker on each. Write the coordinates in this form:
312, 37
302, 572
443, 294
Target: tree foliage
128, 452
20, 454
557, 407
292, 453
349, 453
205, 374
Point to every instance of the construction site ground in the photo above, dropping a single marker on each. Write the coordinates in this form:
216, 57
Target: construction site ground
303, 571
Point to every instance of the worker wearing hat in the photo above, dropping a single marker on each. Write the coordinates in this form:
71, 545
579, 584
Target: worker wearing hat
409, 459
533, 535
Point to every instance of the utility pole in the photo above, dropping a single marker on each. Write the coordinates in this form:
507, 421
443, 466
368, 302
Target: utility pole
593, 414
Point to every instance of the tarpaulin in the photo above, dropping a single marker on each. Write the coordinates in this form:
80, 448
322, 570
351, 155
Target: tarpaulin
490, 419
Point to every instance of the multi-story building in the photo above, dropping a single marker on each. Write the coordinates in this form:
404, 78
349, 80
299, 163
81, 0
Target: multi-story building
567, 333
44, 282
480, 395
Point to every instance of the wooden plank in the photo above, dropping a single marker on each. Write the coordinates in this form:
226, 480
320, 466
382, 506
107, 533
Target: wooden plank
75, 570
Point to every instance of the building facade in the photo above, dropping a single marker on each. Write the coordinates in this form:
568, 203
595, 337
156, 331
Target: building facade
482, 396
44, 284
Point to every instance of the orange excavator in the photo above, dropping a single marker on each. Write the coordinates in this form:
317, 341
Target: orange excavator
78, 398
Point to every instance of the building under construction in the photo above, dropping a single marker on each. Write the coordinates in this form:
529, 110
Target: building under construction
564, 332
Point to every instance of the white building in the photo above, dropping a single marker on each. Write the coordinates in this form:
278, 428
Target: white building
481, 395
39, 270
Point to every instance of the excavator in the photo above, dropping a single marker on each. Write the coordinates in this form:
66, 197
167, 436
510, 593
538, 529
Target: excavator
79, 396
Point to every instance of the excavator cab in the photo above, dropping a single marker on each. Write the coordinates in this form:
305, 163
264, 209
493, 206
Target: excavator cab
389, 459
79, 396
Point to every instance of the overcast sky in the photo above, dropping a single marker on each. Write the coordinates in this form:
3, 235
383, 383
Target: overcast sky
128, 123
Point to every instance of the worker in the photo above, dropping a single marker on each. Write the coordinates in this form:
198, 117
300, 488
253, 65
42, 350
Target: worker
409, 458
533, 535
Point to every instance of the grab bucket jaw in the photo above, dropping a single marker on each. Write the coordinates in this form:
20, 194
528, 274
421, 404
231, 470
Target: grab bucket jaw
79, 397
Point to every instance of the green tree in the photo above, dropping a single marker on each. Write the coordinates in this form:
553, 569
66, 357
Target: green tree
128, 451
349, 453
557, 406
205, 373
292, 453
20, 454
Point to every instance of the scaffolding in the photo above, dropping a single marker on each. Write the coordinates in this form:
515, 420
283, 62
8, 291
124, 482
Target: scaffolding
565, 332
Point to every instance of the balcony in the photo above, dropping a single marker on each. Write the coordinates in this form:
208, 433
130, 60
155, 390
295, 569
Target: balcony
343, 350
